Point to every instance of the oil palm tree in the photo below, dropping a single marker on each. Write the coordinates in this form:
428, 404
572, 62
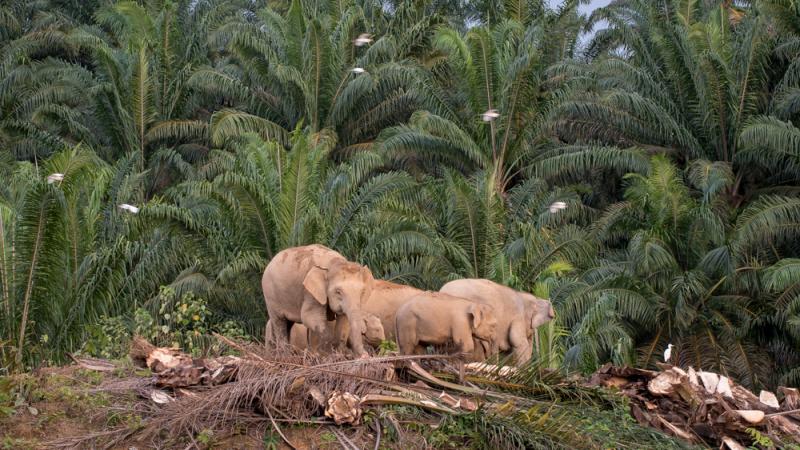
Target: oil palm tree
682, 78
491, 97
42, 83
303, 67
69, 254
143, 58
677, 268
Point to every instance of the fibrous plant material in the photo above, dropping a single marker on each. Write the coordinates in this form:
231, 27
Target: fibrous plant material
703, 407
283, 386
343, 407
281, 382
173, 368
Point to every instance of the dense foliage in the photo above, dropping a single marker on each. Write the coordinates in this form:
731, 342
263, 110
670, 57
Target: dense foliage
239, 128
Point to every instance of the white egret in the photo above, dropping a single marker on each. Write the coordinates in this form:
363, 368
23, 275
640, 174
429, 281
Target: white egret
358, 70
53, 177
557, 206
668, 353
363, 39
129, 208
490, 115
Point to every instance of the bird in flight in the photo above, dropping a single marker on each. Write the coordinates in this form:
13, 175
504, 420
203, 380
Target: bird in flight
129, 208
557, 206
490, 115
53, 177
363, 39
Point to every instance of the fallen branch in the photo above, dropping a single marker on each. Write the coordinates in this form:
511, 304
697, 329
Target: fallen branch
278, 429
97, 365
783, 413
390, 400
377, 433
346, 443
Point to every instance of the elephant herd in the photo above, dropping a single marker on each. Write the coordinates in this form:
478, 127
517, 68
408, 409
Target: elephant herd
318, 299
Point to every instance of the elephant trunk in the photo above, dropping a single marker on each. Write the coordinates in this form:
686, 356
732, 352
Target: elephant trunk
354, 318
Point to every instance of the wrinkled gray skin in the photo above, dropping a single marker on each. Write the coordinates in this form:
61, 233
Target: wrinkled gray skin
518, 313
436, 318
311, 284
335, 338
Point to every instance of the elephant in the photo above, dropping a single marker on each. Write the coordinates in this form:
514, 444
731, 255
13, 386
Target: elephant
437, 318
518, 313
335, 338
311, 285
386, 298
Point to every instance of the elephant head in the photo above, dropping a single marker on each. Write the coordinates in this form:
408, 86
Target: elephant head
342, 287
372, 329
538, 312
484, 325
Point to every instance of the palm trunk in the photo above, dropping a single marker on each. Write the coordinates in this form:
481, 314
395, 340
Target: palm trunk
29, 286
6, 299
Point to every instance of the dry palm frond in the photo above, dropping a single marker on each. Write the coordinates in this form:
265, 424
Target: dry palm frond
280, 382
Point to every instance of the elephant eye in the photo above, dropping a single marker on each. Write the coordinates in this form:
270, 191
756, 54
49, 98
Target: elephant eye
338, 291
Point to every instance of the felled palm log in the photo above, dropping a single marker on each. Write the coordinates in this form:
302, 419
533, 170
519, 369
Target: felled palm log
173, 368
703, 406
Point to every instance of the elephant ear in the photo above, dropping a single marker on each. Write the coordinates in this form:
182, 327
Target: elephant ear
315, 283
532, 318
531, 307
477, 315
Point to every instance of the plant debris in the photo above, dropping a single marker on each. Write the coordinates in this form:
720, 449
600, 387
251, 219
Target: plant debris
173, 368
343, 407
188, 396
704, 407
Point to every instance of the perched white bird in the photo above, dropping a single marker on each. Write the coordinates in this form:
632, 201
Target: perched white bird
53, 177
668, 353
358, 70
129, 208
363, 39
490, 115
557, 206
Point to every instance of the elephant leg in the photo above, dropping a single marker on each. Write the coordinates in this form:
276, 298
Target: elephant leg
480, 352
520, 346
465, 345
278, 331
269, 340
298, 336
407, 341
406, 335
315, 340
408, 347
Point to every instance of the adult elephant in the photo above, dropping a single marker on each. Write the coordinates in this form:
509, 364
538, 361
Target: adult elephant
518, 313
307, 285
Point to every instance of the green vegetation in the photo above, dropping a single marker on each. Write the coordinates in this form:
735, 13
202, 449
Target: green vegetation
239, 128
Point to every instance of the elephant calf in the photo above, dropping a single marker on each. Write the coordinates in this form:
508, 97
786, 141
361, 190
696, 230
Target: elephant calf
437, 319
336, 339
518, 313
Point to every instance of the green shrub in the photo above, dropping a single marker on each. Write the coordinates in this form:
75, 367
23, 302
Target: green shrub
185, 322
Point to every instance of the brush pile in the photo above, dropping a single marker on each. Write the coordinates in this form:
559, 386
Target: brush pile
415, 396
705, 407
281, 385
